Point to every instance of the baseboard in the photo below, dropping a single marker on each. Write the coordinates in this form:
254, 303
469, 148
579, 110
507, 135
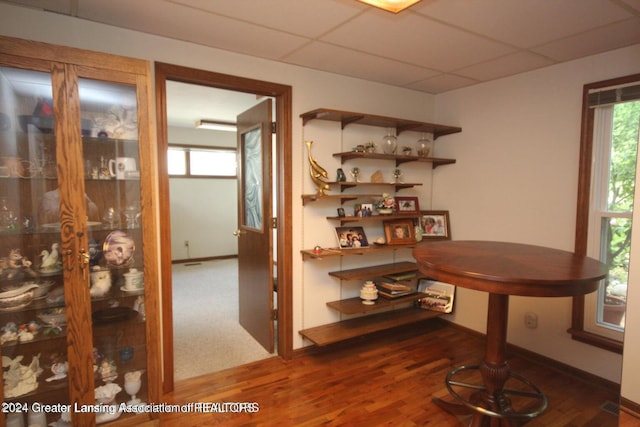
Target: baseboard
211, 258
630, 407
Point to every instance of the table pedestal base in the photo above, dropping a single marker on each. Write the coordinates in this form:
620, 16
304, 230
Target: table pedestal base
491, 403
490, 410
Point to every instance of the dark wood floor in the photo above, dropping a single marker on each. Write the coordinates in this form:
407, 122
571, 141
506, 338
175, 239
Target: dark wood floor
385, 379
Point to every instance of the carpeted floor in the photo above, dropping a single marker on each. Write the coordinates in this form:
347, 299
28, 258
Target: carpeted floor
207, 335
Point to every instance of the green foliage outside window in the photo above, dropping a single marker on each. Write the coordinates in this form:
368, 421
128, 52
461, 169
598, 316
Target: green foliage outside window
622, 178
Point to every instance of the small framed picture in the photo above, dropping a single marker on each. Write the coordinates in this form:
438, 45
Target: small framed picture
399, 232
435, 225
366, 209
351, 237
341, 213
407, 205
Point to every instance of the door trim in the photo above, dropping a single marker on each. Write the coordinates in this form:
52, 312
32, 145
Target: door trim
283, 177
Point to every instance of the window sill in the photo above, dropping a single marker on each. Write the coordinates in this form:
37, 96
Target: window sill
596, 340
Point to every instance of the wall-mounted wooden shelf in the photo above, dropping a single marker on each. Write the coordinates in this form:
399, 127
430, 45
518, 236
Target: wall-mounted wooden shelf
345, 197
331, 252
346, 118
351, 328
367, 273
390, 311
398, 158
345, 219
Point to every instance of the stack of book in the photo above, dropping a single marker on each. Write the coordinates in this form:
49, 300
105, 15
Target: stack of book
394, 290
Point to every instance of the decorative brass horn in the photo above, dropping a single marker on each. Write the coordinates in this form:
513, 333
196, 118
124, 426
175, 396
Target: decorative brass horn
318, 174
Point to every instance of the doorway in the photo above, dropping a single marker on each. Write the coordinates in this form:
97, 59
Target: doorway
282, 181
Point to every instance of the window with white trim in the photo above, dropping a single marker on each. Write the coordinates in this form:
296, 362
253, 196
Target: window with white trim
201, 162
609, 150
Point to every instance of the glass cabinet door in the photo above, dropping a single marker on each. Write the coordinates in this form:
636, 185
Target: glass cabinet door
33, 322
110, 153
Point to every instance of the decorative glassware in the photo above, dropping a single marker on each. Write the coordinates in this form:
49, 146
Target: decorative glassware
424, 146
355, 172
132, 384
397, 173
389, 143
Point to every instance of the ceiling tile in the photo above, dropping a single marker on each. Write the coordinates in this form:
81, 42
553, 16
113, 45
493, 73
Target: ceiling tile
178, 22
415, 39
525, 23
505, 66
600, 40
309, 18
339, 60
442, 83
59, 6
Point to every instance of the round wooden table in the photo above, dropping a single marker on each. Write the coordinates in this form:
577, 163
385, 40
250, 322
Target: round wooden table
504, 269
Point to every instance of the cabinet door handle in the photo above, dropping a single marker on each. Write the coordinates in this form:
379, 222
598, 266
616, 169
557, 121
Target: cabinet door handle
69, 259
83, 259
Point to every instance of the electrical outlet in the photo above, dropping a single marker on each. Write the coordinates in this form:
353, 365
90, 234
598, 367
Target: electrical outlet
186, 243
531, 320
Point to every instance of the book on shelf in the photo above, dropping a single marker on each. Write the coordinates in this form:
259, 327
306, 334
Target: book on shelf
398, 291
405, 275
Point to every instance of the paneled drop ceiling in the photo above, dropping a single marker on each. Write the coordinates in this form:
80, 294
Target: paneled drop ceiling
435, 46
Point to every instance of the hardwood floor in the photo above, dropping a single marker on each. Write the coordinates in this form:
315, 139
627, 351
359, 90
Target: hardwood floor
384, 379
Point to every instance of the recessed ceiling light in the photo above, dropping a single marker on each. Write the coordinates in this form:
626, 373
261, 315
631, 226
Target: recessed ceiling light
393, 6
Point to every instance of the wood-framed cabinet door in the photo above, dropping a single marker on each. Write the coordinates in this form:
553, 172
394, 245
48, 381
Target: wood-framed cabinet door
82, 217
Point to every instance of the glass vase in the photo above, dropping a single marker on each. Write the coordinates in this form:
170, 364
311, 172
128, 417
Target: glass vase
389, 143
424, 146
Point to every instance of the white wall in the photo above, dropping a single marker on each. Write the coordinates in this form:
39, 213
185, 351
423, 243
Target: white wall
515, 178
203, 211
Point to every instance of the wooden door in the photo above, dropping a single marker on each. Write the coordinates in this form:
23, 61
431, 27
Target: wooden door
255, 257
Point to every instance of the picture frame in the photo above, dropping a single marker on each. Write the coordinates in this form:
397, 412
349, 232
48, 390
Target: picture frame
435, 225
366, 209
399, 231
351, 237
341, 213
407, 205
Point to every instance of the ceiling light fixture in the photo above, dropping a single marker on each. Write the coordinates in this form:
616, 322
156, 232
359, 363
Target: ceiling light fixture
393, 6
216, 125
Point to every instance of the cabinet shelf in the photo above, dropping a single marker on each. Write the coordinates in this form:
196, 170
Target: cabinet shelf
398, 158
331, 252
346, 118
339, 331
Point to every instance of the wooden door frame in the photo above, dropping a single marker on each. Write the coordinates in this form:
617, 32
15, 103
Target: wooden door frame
283, 100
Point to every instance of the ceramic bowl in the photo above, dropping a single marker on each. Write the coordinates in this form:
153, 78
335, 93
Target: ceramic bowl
16, 297
56, 316
43, 289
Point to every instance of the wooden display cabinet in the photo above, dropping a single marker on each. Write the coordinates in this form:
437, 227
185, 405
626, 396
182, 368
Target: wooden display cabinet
76, 203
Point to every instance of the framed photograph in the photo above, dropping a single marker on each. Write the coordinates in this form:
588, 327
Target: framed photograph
435, 225
366, 209
351, 237
407, 205
399, 232
341, 213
